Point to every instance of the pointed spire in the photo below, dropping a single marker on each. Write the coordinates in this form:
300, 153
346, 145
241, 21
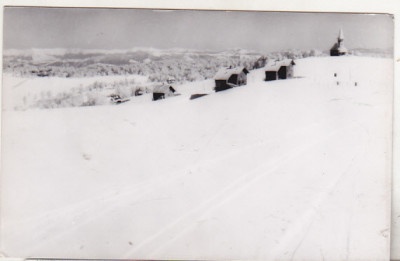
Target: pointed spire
341, 35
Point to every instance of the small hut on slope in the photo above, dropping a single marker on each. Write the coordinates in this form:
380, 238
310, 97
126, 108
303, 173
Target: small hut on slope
230, 77
286, 69
162, 92
271, 72
279, 70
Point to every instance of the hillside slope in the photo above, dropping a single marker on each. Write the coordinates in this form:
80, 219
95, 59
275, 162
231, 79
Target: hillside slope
293, 169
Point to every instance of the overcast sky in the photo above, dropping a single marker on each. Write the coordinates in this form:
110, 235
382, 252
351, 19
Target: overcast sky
35, 27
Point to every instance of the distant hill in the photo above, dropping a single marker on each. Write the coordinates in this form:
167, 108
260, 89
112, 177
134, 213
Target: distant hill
181, 64
184, 65
374, 52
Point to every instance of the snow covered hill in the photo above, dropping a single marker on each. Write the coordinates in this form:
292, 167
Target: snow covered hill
295, 169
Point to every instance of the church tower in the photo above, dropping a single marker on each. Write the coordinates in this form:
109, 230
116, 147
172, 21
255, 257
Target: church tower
341, 37
338, 48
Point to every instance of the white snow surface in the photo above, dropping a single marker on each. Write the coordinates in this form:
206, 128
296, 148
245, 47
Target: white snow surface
24, 92
295, 169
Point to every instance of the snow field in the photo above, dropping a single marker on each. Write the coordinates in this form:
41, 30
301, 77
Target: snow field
30, 93
293, 169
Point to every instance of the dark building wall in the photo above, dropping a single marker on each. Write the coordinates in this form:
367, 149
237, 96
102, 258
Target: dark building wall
282, 72
233, 79
285, 72
270, 75
238, 79
334, 53
221, 85
158, 96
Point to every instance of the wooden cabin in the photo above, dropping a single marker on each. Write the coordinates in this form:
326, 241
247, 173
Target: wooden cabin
162, 92
271, 72
286, 69
279, 70
230, 77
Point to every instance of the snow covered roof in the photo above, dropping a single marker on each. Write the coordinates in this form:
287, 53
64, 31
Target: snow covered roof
162, 89
272, 67
287, 62
225, 73
275, 66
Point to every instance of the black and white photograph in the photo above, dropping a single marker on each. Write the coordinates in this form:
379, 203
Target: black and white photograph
166, 134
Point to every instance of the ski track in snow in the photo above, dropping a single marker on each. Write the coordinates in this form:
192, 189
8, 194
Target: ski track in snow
194, 163
140, 190
239, 186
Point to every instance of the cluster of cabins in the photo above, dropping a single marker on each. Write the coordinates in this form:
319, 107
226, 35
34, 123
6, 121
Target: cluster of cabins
231, 77
41, 73
227, 78
279, 70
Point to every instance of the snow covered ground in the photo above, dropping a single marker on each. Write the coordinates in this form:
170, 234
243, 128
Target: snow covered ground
26, 93
295, 169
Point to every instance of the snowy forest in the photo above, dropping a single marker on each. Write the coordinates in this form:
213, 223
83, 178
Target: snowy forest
73, 78
182, 65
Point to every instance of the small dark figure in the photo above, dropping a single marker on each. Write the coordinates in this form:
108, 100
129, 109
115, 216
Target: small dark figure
335, 74
355, 84
337, 83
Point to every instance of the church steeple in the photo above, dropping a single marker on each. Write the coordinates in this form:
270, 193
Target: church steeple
338, 48
341, 35
340, 38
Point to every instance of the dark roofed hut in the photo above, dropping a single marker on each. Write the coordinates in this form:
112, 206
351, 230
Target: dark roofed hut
230, 77
279, 70
162, 92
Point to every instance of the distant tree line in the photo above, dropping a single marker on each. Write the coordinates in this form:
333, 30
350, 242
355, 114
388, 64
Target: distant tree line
183, 69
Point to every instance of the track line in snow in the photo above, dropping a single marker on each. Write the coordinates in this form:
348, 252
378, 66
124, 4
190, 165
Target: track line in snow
309, 215
109, 202
111, 199
225, 195
301, 227
19, 84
